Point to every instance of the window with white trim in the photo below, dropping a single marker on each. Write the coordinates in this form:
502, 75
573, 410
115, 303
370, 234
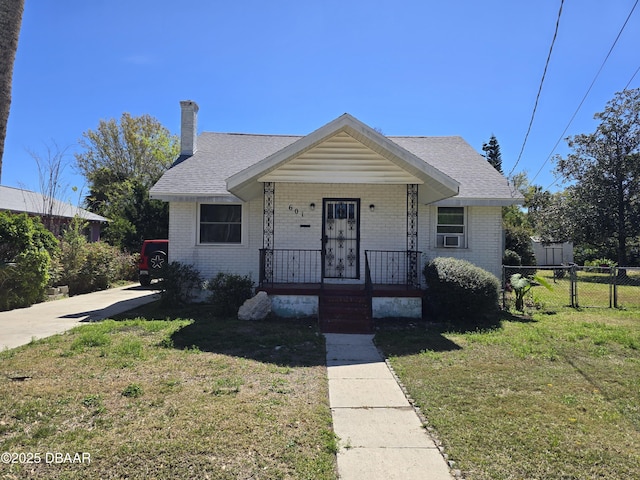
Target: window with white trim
451, 228
220, 223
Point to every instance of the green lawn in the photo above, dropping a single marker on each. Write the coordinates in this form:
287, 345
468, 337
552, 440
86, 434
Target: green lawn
593, 290
183, 396
549, 397
187, 395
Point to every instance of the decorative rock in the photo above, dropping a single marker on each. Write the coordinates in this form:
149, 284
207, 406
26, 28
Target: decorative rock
256, 308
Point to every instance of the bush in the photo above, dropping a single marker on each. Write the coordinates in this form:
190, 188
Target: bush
518, 239
87, 267
127, 266
99, 270
25, 255
229, 292
179, 285
511, 258
23, 282
599, 265
459, 290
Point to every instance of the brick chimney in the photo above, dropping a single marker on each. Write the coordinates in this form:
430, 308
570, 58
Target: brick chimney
188, 127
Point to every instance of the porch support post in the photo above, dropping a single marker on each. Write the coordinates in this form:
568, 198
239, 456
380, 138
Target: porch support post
268, 227
413, 275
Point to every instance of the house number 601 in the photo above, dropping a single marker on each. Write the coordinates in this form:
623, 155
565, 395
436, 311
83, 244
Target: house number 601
295, 210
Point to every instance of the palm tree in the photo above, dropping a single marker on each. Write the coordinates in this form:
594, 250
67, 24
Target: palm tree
10, 22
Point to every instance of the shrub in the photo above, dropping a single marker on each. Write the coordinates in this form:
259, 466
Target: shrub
518, 239
229, 292
179, 285
72, 254
25, 255
99, 270
459, 290
511, 258
87, 267
599, 263
23, 282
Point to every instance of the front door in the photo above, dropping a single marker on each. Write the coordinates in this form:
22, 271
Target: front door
341, 238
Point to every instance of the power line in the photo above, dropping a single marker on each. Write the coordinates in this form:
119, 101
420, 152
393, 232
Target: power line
632, 76
544, 73
589, 91
556, 179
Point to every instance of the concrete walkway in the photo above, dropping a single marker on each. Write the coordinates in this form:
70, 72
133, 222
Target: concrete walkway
380, 434
20, 326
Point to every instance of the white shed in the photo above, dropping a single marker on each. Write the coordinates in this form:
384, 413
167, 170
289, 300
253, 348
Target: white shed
552, 253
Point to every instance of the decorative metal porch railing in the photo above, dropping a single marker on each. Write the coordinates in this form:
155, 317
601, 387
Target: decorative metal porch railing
290, 266
393, 267
382, 267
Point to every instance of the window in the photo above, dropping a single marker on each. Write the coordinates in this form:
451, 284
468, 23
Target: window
451, 228
220, 223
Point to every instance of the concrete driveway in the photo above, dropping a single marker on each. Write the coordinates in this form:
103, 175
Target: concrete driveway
20, 326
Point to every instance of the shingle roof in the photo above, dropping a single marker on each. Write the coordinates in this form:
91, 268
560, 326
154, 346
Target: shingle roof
221, 155
19, 200
455, 157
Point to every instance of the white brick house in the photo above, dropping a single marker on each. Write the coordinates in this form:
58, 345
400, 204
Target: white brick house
328, 221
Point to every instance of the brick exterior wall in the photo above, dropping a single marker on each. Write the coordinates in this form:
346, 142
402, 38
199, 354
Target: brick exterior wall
483, 233
241, 259
384, 228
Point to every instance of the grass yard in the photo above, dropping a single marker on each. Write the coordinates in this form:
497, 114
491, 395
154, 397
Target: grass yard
594, 289
184, 396
550, 397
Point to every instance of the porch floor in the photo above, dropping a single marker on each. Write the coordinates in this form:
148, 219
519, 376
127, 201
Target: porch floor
378, 290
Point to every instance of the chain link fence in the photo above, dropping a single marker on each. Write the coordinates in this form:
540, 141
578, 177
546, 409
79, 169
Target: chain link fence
576, 286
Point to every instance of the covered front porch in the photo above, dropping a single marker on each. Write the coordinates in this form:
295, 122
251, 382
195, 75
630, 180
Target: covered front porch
296, 281
355, 195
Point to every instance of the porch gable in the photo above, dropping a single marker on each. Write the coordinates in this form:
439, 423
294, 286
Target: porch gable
344, 151
341, 159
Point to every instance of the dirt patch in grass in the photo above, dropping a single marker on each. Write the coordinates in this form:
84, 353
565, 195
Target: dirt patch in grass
555, 396
186, 396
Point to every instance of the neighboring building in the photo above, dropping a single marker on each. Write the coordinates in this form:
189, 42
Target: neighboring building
61, 213
552, 253
336, 223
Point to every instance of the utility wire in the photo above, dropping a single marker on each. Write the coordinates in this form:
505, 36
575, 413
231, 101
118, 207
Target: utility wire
589, 91
544, 73
557, 178
632, 76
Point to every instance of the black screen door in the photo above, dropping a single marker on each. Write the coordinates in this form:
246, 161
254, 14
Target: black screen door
341, 239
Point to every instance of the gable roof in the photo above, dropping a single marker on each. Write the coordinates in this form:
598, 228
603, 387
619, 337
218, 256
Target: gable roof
25, 201
228, 167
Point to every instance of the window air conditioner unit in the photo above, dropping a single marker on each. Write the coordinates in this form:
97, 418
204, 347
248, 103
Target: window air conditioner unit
451, 241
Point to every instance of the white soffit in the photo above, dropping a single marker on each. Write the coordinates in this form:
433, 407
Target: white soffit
340, 159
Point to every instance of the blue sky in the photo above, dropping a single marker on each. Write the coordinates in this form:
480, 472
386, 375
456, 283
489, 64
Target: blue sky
420, 67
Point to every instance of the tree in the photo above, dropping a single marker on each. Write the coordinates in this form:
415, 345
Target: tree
492, 153
50, 169
121, 161
516, 222
605, 170
10, 23
552, 218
